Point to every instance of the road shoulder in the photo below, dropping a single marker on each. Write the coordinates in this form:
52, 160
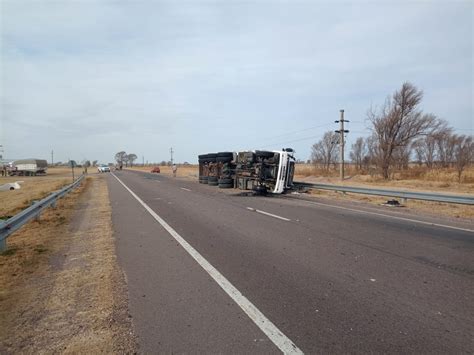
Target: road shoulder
62, 288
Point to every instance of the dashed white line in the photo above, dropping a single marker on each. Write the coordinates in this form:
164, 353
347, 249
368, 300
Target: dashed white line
268, 214
262, 322
185, 189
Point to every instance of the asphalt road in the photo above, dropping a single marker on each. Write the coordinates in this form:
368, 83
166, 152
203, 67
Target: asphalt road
330, 277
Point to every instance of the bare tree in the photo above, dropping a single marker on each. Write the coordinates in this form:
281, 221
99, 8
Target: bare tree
125, 160
446, 144
370, 158
399, 122
120, 157
94, 163
131, 158
325, 151
425, 150
401, 157
463, 153
359, 151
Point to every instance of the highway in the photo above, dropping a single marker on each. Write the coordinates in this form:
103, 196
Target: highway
214, 271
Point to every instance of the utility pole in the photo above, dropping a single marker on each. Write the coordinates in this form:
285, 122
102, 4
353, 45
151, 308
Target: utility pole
52, 158
341, 132
143, 160
171, 151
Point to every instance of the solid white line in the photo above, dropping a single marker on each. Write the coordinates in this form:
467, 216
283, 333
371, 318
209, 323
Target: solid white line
388, 216
269, 214
185, 189
265, 325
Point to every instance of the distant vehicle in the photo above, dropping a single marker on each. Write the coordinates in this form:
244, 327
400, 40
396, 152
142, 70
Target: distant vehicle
103, 168
156, 169
28, 167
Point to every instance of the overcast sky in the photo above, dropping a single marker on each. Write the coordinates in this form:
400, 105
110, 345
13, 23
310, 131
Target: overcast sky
90, 78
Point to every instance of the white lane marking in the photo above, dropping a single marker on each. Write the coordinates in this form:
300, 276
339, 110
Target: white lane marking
185, 189
388, 216
268, 214
265, 325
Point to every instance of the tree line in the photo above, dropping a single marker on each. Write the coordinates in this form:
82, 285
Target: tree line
400, 133
122, 158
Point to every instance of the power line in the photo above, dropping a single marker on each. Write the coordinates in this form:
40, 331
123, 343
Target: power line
291, 141
298, 131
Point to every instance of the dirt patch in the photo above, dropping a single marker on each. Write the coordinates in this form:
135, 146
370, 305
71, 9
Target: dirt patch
62, 290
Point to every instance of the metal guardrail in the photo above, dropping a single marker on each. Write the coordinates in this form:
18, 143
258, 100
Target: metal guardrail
464, 200
16, 222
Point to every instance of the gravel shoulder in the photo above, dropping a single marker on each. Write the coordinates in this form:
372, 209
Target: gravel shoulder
61, 287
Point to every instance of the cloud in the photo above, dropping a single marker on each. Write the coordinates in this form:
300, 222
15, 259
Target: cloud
91, 78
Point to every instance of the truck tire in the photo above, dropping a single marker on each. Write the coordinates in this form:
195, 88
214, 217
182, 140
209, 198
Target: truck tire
226, 181
212, 180
224, 159
225, 155
203, 179
211, 158
226, 186
264, 154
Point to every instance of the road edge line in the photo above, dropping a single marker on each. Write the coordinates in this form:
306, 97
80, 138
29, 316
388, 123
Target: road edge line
261, 321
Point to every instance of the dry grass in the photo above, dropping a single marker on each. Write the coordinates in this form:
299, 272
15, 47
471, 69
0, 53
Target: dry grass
415, 179
33, 188
60, 287
440, 180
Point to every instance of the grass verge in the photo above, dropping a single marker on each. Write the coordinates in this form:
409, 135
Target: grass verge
61, 288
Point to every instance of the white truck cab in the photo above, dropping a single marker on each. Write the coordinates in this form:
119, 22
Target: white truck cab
286, 170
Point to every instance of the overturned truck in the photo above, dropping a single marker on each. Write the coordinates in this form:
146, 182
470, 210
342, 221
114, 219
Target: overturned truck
260, 170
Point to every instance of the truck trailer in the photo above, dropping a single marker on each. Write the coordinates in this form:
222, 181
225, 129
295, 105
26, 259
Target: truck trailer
260, 170
28, 167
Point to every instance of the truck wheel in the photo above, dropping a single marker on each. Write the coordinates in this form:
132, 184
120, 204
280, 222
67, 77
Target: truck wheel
225, 181
226, 186
212, 180
224, 159
264, 154
225, 155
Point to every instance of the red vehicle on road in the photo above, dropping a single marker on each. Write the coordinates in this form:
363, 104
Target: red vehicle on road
156, 169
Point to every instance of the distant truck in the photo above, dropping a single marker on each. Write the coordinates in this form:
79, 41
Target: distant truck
259, 170
28, 167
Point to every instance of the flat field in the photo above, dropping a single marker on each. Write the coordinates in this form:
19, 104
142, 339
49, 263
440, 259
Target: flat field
32, 188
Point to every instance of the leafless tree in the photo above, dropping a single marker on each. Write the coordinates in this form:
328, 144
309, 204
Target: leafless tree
446, 144
399, 122
325, 152
426, 147
425, 150
401, 157
120, 157
125, 160
131, 158
370, 158
463, 153
359, 151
